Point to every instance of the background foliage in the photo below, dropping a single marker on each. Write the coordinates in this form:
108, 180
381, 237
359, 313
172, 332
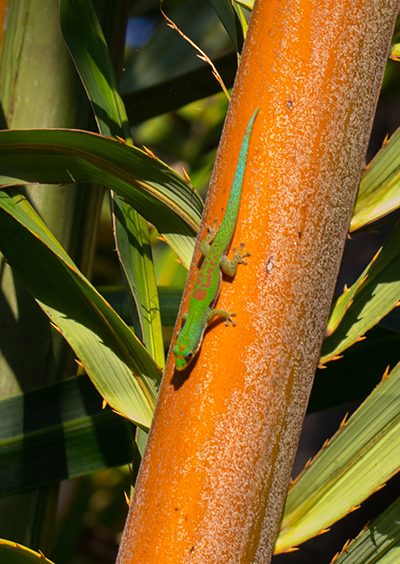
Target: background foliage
61, 430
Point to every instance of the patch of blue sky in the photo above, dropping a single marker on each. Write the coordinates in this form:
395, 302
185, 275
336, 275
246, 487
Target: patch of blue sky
139, 30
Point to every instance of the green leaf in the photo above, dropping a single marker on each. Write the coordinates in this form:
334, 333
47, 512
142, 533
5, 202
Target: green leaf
132, 236
378, 542
248, 4
173, 93
345, 300
375, 298
360, 458
14, 553
395, 52
230, 21
86, 42
116, 361
58, 432
149, 185
379, 191
87, 45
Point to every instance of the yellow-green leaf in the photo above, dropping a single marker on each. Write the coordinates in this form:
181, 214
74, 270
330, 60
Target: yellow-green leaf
371, 301
116, 361
58, 156
14, 553
359, 459
379, 542
379, 191
87, 45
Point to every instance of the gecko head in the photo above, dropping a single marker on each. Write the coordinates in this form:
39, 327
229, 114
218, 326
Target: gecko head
183, 355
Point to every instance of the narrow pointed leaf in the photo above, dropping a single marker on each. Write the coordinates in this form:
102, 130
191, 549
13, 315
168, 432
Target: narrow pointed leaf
116, 361
374, 299
379, 542
87, 44
361, 457
345, 300
245, 3
14, 553
379, 191
230, 21
154, 189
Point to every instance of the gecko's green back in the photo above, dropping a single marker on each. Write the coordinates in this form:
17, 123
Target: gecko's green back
207, 284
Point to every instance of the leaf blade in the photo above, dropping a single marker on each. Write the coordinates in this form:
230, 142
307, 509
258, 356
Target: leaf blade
153, 188
362, 456
379, 542
113, 357
372, 300
88, 48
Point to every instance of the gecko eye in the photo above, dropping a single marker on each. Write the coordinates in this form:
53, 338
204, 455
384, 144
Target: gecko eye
189, 355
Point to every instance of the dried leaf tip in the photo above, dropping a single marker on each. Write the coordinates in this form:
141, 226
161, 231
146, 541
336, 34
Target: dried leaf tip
127, 499
323, 531
346, 544
55, 327
385, 375
118, 412
336, 357
354, 508
291, 549
376, 255
149, 152
308, 463
344, 548
79, 363
186, 175
380, 487
104, 403
360, 338
327, 442
334, 559
344, 421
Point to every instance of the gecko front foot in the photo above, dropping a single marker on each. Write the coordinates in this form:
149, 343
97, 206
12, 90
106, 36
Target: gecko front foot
239, 256
209, 238
221, 313
229, 267
212, 230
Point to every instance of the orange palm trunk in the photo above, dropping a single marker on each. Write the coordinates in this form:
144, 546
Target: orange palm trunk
214, 477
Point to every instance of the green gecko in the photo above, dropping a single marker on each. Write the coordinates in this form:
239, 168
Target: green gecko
215, 262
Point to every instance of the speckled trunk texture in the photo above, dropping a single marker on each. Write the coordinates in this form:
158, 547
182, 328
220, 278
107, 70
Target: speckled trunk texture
215, 474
